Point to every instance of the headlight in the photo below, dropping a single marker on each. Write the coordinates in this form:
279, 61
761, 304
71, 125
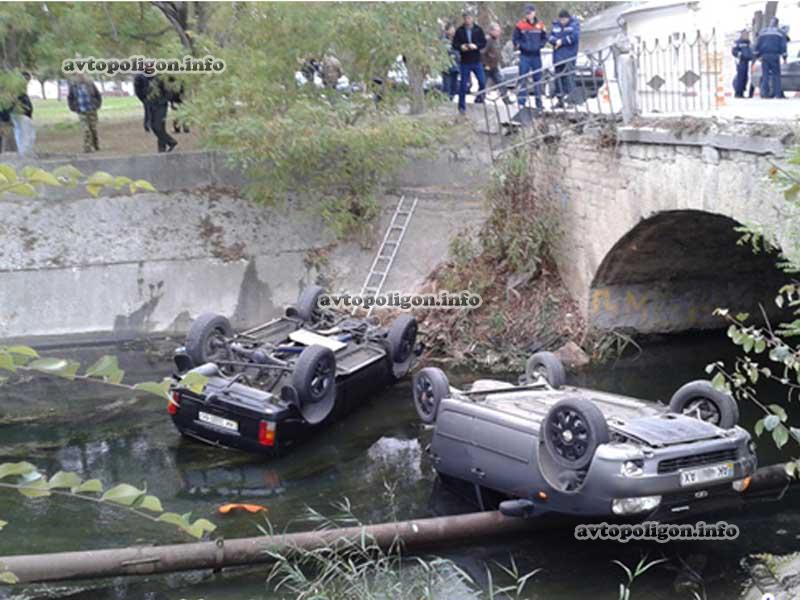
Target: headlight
741, 485
632, 468
630, 506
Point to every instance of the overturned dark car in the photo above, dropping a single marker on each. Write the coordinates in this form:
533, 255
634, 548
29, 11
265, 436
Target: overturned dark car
542, 447
275, 384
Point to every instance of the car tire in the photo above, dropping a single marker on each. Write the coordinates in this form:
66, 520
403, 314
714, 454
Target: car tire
702, 400
306, 307
205, 333
571, 432
314, 379
430, 385
402, 338
547, 365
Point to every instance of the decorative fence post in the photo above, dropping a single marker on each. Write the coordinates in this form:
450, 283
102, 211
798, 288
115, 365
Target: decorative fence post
625, 66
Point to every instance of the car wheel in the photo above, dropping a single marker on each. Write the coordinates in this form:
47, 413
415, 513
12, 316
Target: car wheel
547, 366
206, 340
402, 337
314, 379
430, 386
703, 401
572, 430
307, 307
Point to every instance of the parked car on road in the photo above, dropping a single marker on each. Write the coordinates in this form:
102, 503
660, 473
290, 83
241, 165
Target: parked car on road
270, 386
543, 447
589, 78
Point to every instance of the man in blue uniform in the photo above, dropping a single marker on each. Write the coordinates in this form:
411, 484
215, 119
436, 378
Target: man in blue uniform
564, 39
469, 40
743, 54
529, 38
770, 47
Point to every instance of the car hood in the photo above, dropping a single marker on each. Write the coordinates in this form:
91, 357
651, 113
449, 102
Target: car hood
667, 430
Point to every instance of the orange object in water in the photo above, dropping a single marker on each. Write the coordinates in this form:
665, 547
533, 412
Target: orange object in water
251, 508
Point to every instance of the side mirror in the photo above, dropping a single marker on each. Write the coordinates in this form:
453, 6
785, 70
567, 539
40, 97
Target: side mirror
519, 508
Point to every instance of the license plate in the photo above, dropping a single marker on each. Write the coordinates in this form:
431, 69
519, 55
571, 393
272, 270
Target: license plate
706, 474
218, 421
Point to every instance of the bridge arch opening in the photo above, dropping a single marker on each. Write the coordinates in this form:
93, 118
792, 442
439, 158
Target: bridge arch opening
670, 272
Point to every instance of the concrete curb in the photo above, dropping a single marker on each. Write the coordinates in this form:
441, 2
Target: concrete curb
720, 141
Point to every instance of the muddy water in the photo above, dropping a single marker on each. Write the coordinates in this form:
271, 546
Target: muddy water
104, 434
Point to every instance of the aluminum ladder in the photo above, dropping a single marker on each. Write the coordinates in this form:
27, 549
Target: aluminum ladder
387, 252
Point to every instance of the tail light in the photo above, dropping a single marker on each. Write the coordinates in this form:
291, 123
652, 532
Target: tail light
266, 433
174, 403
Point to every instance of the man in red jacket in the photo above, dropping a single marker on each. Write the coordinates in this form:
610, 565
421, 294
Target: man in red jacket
529, 38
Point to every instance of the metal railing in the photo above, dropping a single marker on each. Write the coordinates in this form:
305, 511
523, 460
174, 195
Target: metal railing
591, 99
680, 75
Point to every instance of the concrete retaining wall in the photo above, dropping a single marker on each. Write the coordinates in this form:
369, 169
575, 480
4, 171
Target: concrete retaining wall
120, 266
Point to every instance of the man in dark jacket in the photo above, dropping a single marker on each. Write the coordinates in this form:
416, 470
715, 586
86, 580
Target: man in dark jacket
157, 107
84, 99
141, 87
529, 38
469, 40
770, 47
743, 54
564, 38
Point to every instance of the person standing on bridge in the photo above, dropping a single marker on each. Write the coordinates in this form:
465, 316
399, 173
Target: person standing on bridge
469, 40
743, 54
564, 39
529, 38
770, 47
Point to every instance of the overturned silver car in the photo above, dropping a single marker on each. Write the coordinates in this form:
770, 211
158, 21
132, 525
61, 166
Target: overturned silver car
544, 447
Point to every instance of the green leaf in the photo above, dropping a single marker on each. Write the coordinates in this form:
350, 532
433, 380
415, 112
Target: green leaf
742, 316
121, 181
151, 387
780, 435
7, 362
8, 578
56, 366
101, 179
42, 176
3, 524
90, 486
759, 427
65, 480
194, 381
23, 189
719, 382
104, 365
152, 504
201, 527
8, 172
175, 519
35, 489
124, 494
19, 468
778, 410
791, 469
771, 422
67, 172
94, 190
23, 351
144, 185
760, 346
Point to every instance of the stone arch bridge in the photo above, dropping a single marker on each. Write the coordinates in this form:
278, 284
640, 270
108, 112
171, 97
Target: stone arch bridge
650, 240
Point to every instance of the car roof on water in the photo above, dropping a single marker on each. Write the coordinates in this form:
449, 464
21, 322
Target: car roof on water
532, 405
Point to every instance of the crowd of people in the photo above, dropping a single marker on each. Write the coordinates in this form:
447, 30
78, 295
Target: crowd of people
157, 94
473, 53
770, 49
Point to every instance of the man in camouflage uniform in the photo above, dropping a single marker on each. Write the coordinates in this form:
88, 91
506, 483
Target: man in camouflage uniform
84, 99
